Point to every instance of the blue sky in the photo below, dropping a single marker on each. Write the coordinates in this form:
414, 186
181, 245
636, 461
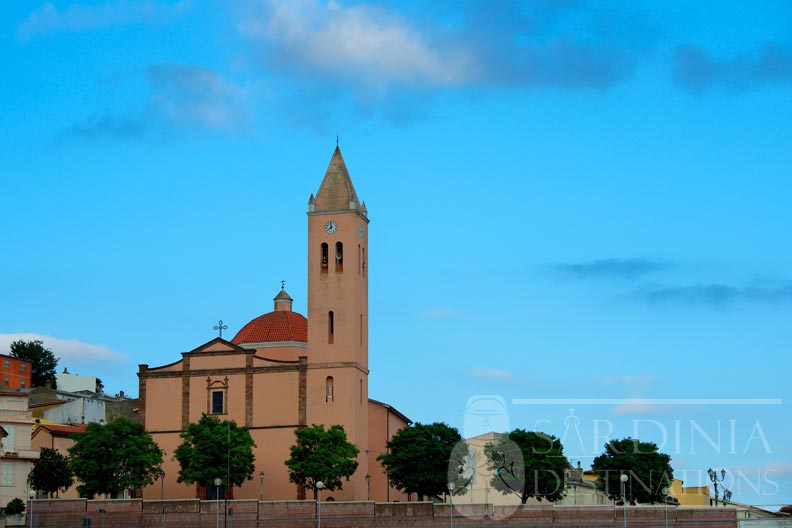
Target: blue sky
567, 201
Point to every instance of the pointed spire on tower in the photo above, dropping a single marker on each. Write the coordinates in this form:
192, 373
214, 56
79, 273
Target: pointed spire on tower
336, 192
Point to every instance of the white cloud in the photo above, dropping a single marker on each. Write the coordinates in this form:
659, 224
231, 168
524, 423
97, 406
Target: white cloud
635, 408
440, 313
376, 45
65, 349
190, 95
181, 97
80, 17
631, 381
495, 374
642, 407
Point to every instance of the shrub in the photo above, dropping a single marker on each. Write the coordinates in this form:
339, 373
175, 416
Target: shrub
15, 506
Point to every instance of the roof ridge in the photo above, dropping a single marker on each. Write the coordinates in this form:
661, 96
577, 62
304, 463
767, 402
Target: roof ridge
288, 324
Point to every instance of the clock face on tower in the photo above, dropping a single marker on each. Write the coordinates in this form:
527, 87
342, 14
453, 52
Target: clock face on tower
331, 227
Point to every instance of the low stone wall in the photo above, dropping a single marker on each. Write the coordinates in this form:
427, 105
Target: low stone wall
72, 513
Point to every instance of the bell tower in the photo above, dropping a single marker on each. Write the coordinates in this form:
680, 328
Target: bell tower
337, 391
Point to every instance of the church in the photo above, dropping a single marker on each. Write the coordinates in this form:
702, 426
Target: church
282, 371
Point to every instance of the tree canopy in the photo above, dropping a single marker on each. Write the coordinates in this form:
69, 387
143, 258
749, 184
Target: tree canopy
51, 472
648, 470
44, 361
213, 449
114, 457
419, 457
320, 455
528, 464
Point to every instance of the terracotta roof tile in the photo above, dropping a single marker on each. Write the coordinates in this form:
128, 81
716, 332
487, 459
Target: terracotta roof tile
273, 327
63, 430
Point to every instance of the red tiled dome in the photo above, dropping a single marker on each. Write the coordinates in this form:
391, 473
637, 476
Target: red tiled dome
275, 326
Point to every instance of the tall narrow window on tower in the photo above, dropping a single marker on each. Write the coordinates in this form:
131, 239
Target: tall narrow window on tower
364, 262
330, 329
324, 256
339, 256
329, 389
359, 268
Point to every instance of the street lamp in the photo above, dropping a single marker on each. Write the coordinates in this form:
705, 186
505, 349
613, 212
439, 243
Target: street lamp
368, 486
665, 500
217, 483
162, 481
451, 487
319, 486
624, 478
713, 475
32, 495
261, 488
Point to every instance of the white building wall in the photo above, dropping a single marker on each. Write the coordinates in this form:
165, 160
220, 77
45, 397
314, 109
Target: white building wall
75, 382
81, 410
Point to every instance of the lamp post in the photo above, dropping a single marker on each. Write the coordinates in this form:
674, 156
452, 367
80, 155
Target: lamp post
228, 473
368, 486
623, 479
32, 495
261, 487
665, 500
217, 483
713, 475
162, 493
319, 486
451, 487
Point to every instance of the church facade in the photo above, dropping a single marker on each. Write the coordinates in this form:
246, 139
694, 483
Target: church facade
283, 371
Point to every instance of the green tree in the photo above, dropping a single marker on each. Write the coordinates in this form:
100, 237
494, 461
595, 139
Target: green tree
648, 470
51, 472
44, 361
528, 464
419, 457
213, 449
114, 457
320, 455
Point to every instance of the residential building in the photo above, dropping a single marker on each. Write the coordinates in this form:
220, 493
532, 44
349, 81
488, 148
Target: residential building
15, 373
17, 454
60, 438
